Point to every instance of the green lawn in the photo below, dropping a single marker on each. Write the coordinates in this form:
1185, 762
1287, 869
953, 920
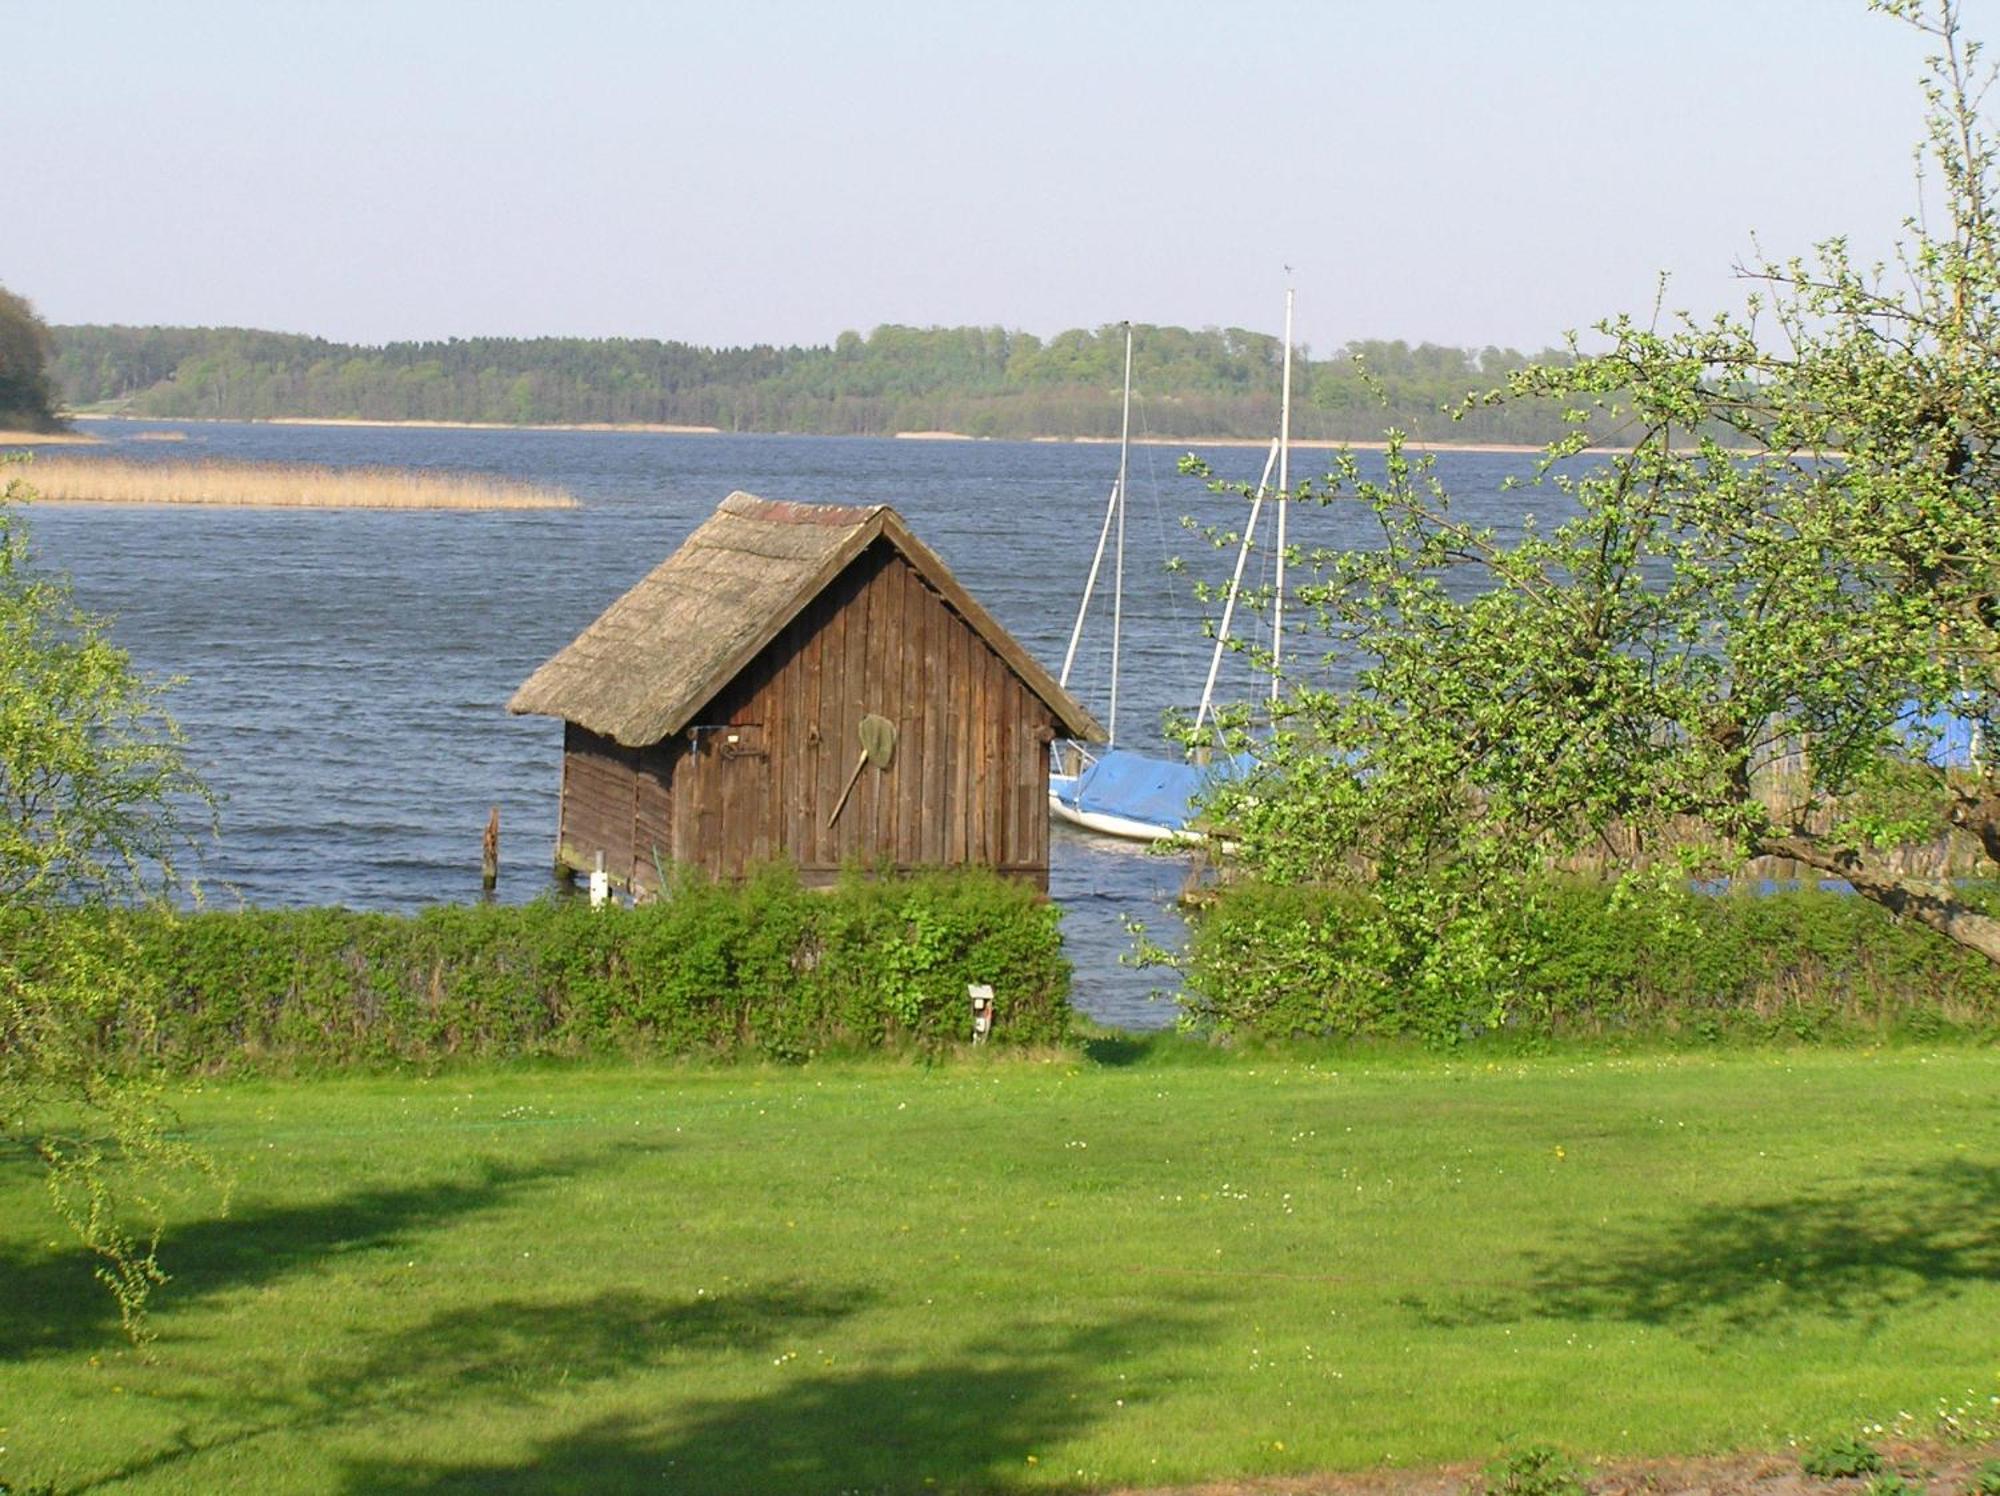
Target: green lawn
1010, 1273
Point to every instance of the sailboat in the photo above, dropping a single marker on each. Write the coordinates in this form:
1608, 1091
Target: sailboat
1141, 796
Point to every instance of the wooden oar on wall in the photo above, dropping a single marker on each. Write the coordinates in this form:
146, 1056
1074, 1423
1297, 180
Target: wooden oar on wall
878, 747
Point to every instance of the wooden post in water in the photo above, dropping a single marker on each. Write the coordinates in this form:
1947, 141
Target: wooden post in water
489, 852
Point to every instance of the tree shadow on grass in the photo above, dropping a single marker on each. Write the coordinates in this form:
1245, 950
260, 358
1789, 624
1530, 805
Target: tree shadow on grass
1853, 1254
968, 1423
514, 1352
527, 1347
1119, 1051
54, 1302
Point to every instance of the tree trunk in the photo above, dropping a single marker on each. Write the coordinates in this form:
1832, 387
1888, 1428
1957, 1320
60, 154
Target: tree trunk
1935, 905
1979, 813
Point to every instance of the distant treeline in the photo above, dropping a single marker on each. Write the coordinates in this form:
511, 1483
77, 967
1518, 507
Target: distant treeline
983, 381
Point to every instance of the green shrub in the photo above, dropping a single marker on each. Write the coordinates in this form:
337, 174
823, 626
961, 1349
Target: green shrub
1537, 1470
1985, 1480
1289, 961
1891, 1483
766, 968
1841, 1459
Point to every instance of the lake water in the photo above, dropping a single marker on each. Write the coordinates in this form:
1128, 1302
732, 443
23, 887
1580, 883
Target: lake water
345, 673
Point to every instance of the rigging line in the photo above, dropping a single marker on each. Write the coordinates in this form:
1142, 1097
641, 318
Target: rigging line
1235, 587
1182, 642
1089, 586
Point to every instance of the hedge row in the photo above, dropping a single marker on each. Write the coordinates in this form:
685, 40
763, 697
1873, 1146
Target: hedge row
1289, 961
766, 968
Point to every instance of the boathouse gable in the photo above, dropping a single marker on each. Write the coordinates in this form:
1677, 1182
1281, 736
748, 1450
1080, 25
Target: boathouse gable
714, 713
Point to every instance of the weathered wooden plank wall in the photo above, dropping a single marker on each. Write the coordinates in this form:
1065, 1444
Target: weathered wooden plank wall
968, 782
599, 784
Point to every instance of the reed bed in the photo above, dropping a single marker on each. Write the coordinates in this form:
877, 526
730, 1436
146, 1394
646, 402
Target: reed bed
46, 439
280, 485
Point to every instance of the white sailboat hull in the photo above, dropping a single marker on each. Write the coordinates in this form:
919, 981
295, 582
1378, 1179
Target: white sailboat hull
1122, 827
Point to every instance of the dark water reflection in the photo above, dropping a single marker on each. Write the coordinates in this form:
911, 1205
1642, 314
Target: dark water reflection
345, 674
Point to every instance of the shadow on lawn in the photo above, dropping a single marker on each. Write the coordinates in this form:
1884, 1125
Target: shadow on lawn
1856, 1254
54, 1303
528, 1347
518, 1351
1119, 1051
968, 1423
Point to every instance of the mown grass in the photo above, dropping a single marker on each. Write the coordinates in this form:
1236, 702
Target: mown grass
283, 485
1038, 1274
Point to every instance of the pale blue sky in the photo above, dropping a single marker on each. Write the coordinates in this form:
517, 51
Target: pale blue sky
1464, 171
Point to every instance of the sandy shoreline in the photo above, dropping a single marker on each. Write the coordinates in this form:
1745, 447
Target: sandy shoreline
652, 428
655, 428
1299, 444
1302, 444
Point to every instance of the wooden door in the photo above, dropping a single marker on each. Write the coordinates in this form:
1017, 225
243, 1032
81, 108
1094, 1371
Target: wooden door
723, 821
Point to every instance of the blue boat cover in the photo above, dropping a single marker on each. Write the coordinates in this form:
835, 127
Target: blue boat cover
1140, 787
1946, 737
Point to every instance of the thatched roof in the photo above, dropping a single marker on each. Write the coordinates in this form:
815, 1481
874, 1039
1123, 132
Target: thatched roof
661, 652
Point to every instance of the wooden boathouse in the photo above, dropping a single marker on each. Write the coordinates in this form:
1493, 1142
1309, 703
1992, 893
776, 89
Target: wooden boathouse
808, 683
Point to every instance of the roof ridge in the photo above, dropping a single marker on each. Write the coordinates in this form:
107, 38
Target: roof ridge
792, 512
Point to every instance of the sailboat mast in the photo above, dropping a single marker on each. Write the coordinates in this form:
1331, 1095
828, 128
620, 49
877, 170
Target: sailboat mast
1118, 566
1235, 590
1089, 586
1284, 496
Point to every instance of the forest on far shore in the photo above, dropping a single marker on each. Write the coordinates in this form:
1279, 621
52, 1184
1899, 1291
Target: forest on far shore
982, 381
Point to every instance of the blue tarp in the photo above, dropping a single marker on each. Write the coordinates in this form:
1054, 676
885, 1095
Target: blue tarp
1945, 737
1140, 787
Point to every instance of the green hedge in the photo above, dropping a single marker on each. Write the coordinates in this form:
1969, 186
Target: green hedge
1294, 962
766, 968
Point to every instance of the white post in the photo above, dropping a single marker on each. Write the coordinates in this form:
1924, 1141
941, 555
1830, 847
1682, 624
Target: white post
1284, 502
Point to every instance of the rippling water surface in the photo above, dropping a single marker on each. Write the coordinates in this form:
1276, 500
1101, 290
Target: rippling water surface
345, 673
